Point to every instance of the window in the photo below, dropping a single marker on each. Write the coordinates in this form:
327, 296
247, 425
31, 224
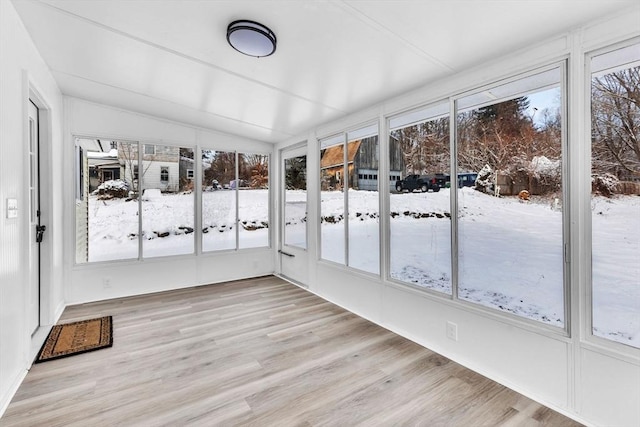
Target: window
235, 200
363, 200
153, 197
167, 204
510, 223
218, 200
420, 223
149, 149
295, 197
341, 156
252, 185
147, 199
615, 186
107, 221
332, 229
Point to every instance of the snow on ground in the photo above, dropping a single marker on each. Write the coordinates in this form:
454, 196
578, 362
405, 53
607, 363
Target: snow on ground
168, 224
510, 252
616, 268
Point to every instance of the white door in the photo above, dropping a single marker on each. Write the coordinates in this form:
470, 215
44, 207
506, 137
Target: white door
293, 215
36, 230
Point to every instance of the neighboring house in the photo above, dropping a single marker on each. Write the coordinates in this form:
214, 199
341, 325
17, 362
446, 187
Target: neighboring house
160, 166
102, 167
187, 172
363, 162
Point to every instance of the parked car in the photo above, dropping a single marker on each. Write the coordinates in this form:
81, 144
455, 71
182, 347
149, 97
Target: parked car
467, 179
423, 183
464, 180
441, 179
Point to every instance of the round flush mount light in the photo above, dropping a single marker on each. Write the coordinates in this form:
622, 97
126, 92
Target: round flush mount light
251, 38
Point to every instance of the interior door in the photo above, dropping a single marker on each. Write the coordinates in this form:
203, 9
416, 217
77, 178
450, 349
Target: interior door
293, 218
36, 230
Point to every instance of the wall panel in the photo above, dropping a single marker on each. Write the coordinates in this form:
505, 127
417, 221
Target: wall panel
21, 67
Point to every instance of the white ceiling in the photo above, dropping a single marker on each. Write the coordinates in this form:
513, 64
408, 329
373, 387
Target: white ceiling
170, 58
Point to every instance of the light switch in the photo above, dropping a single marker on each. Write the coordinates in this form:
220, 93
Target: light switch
12, 208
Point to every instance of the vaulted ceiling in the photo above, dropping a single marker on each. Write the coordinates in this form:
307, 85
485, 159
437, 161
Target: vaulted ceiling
170, 58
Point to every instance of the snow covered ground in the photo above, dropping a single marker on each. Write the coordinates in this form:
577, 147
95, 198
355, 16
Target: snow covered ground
616, 268
510, 252
113, 224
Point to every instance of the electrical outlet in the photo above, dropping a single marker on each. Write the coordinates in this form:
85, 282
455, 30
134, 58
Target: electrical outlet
106, 282
452, 331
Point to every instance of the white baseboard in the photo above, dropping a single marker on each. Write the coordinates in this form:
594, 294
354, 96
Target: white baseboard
6, 398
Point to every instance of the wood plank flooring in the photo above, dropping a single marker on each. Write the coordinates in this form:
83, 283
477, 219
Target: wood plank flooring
258, 352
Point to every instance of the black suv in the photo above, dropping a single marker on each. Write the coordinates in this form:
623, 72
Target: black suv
467, 179
423, 183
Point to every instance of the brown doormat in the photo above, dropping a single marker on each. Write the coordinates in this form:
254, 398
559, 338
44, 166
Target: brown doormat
77, 337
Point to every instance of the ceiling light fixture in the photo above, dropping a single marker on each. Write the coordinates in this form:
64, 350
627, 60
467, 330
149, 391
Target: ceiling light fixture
251, 38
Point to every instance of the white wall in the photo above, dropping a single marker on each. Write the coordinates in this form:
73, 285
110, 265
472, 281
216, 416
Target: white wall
20, 67
85, 282
594, 382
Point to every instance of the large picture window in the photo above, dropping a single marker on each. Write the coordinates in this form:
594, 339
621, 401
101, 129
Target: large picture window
420, 202
510, 221
615, 186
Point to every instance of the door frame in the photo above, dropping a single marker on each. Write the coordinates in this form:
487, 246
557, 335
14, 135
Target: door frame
285, 252
34, 218
47, 312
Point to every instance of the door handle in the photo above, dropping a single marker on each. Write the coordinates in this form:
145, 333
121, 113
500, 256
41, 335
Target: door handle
40, 229
286, 253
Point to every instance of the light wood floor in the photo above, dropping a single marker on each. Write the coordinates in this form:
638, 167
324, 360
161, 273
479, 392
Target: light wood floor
258, 352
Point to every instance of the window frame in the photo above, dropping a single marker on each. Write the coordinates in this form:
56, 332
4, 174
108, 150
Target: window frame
565, 331
79, 173
164, 174
432, 105
236, 190
197, 149
343, 136
587, 337
562, 65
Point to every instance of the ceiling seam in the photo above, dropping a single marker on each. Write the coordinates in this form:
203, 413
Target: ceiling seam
54, 71
187, 57
358, 14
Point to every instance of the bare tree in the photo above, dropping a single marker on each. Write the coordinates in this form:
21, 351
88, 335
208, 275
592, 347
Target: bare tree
253, 169
425, 146
128, 157
222, 169
615, 122
505, 139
